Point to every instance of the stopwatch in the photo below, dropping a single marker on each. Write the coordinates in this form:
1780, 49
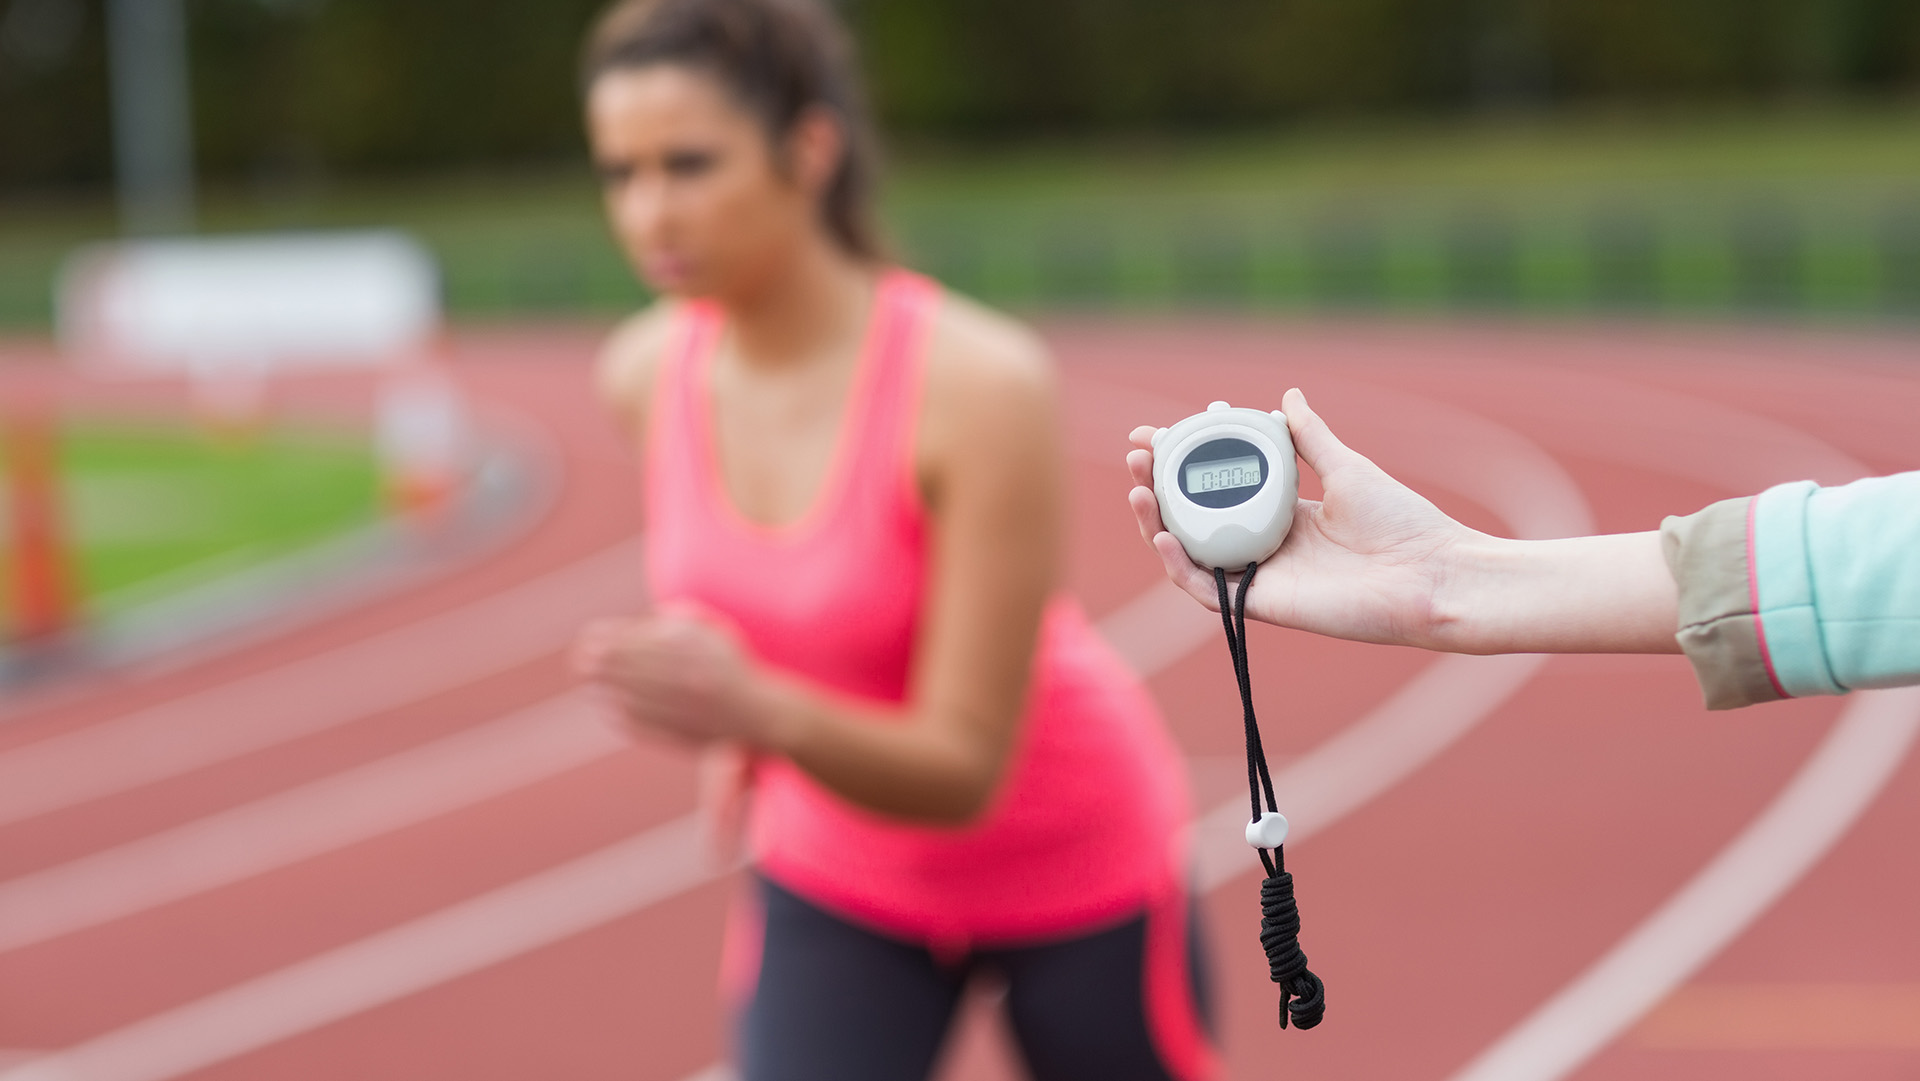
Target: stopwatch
1226, 482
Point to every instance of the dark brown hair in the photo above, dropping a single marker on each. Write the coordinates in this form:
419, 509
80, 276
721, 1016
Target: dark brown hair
779, 58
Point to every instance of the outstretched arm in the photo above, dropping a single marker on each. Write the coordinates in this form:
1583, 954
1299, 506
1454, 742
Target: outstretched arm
1374, 561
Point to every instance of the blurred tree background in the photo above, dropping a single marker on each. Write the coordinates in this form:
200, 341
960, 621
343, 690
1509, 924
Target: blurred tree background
1398, 153
284, 88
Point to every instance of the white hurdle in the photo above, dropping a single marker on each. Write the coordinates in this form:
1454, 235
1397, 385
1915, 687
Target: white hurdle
229, 313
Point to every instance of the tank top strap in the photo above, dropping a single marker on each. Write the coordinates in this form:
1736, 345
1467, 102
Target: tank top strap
884, 446
695, 334
672, 459
876, 446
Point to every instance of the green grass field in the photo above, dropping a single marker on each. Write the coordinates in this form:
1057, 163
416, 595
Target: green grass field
151, 508
1813, 212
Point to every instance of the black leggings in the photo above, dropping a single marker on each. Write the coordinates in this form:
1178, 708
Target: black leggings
833, 1001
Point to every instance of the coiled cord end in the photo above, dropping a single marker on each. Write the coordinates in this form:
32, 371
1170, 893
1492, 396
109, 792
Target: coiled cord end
1302, 995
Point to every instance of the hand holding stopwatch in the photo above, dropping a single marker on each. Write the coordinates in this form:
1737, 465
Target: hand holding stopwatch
1226, 482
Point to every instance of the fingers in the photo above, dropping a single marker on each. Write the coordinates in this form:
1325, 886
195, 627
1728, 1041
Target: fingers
1184, 572
1181, 571
1142, 437
662, 646
1140, 467
1146, 512
1317, 445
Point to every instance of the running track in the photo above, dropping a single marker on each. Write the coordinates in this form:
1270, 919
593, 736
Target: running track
387, 843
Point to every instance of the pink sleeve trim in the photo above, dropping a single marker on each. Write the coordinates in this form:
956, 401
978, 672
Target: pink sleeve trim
1753, 596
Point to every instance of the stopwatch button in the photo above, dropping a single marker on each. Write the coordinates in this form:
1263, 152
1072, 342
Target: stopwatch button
1279, 416
1158, 434
1267, 831
1215, 407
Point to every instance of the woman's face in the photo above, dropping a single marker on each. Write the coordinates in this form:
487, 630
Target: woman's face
691, 183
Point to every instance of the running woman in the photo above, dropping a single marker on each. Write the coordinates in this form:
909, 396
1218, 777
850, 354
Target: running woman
854, 493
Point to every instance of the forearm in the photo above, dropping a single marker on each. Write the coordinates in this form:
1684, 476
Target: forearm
1606, 594
901, 766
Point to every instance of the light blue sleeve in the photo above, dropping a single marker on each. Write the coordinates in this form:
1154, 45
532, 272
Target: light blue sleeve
1836, 573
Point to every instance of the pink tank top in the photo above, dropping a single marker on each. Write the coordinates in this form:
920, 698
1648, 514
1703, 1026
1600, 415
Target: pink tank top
1084, 825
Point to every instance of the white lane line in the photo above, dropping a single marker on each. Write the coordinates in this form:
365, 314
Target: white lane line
456, 771
383, 671
403, 789
1811, 814
1363, 760
1152, 631
629, 876
1158, 627
1460, 451
1831, 790
1366, 758
598, 888
474, 934
1430, 444
465, 938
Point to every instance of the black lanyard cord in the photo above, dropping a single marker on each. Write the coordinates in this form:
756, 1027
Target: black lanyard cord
1301, 993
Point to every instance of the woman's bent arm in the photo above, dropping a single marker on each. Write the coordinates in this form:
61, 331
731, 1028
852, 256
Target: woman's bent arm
990, 450
990, 467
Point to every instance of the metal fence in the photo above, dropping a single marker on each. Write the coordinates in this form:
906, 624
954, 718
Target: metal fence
1706, 255
1755, 255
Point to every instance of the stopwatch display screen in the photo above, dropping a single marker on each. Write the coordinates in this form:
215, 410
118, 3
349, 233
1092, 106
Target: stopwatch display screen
1240, 472
1223, 472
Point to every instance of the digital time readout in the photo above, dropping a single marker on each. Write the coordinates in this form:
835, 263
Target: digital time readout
1223, 473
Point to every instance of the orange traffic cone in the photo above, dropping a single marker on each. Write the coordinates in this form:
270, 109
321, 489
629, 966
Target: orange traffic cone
43, 596
420, 429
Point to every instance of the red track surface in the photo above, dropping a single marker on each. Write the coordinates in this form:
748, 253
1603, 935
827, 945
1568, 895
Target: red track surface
1443, 910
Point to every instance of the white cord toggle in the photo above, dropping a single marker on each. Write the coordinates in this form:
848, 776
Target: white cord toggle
1267, 831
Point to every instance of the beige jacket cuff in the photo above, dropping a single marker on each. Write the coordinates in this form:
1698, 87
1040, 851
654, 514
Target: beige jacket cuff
1719, 630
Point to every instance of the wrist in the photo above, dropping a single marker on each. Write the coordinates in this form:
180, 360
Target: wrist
1469, 599
1598, 594
780, 715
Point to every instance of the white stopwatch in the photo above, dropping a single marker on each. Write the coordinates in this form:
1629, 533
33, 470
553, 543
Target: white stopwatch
1226, 482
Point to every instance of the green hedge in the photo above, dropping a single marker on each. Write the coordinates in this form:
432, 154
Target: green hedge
286, 91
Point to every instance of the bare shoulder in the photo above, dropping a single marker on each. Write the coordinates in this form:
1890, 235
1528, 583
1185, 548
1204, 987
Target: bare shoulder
623, 375
978, 358
990, 408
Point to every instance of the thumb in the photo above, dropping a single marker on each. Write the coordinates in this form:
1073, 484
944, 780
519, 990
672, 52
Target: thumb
1317, 445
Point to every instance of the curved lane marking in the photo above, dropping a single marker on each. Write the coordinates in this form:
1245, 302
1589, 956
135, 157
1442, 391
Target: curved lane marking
1497, 468
1816, 808
1812, 813
1360, 762
1528, 490
297, 824
402, 960
383, 671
